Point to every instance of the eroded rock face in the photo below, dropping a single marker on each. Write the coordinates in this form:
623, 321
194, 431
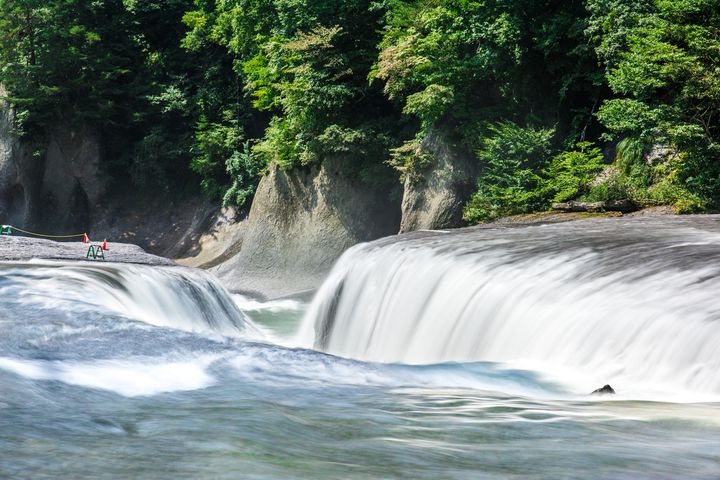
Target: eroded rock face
218, 241
436, 200
300, 222
17, 167
57, 190
72, 182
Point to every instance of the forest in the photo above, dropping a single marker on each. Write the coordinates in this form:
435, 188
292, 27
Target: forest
593, 99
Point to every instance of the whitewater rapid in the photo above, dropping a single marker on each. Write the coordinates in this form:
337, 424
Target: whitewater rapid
174, 297
487, 344
633, 302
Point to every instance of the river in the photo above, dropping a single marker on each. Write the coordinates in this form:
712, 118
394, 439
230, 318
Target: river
466, 354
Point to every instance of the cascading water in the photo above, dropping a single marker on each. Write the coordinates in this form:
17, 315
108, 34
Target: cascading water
630, 302
175, 297
129, 371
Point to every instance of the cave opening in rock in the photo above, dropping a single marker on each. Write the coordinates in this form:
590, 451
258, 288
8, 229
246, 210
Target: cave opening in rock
15, 205
79, 215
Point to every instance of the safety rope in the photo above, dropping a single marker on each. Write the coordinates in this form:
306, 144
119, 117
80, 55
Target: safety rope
43, 234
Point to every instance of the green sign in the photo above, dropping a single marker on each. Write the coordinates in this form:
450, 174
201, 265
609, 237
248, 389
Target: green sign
96, 252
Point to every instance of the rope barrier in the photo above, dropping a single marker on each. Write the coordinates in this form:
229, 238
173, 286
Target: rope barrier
96, 251
43, 234
9, 229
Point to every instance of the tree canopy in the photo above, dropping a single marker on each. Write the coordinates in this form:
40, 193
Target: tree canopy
209, 92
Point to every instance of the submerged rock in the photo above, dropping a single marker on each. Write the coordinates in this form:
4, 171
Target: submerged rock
606, 390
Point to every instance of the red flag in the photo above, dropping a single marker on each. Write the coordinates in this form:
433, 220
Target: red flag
104, 245
85, 238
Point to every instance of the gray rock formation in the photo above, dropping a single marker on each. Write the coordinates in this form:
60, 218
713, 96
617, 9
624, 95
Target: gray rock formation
436, 200
17, 171
219, 240
163, 226
21, 249
56, 190
72, 183
299, 224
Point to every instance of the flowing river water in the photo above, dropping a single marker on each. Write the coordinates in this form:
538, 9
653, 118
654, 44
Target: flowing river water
467, 354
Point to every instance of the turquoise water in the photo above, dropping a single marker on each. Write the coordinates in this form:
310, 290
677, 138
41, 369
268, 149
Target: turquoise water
88, 391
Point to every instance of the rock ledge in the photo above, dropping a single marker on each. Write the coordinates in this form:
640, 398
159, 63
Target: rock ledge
14, 248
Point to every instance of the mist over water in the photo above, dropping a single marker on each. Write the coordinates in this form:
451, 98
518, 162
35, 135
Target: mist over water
459, 355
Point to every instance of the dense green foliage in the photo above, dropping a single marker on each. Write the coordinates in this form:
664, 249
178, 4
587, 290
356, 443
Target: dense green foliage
522, 175
510, 183
210, 92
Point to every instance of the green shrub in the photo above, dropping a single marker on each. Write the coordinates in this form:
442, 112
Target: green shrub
215, 143
245, 168
615, 187
656, 182
629, 154
510, 183
569, 173
410, 160
668, 192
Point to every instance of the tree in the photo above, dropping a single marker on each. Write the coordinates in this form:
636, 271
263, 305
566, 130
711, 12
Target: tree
663, 61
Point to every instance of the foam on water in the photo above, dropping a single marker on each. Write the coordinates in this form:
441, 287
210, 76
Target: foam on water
127, 377
283, 305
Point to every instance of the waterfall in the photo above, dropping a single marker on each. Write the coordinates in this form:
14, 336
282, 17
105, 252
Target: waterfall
174, 297
629, 301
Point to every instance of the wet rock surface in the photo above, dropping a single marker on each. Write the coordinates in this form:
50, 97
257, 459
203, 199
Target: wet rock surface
624, 206
605, 390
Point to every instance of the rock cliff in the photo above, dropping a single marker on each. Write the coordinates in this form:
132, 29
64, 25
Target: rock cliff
299, 224
18, 170
53, 185
436, 200
300, 221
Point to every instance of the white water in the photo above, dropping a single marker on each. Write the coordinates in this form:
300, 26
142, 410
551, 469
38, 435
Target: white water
130, 378
634, 307
173, 297
117, 371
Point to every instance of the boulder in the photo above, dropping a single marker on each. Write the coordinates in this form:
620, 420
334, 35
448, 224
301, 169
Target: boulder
436, 199
300, 222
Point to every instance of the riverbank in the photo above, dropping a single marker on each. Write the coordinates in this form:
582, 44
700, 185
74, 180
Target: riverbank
13, 248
